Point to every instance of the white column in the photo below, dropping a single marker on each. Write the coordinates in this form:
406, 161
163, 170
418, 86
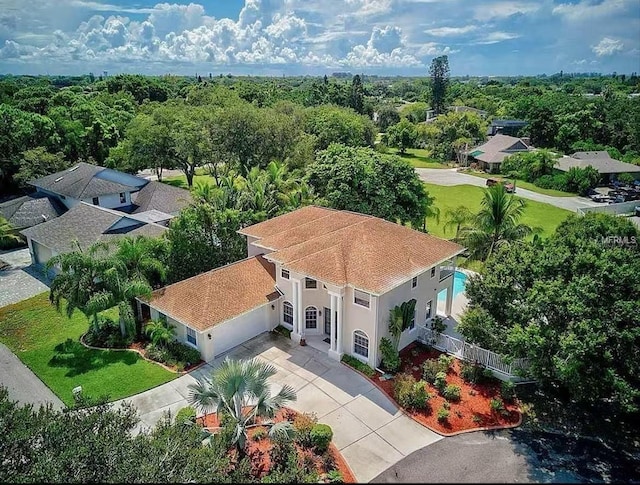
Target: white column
333, 321
301, 318
449, 301
339, 326
295, 334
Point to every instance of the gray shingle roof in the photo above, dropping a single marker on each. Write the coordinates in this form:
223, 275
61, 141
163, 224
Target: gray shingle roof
161, 197
604, 165
497, 148
80, 182
87, 224
30, 210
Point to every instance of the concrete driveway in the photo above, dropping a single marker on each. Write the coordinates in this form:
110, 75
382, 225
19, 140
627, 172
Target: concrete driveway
369, 430
23, 385
452, 177
21, 280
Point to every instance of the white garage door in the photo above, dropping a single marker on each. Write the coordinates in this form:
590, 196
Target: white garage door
237, 331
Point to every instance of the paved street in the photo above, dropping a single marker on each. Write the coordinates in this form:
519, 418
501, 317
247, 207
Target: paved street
514, 456
452, 177
369, 430
20, 281
23, 385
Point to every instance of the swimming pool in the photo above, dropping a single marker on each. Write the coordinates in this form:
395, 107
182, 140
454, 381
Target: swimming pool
459, 281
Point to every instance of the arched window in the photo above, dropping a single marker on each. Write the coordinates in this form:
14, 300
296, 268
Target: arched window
287, 313
361, 343
311, 317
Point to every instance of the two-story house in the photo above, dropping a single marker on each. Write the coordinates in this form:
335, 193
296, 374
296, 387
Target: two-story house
329, 276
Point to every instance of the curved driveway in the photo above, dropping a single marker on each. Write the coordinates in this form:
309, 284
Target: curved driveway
449, 177
369, 430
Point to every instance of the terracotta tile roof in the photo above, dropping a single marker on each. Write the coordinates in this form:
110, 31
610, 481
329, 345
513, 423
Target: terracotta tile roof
345, 248
286, 221
216, 296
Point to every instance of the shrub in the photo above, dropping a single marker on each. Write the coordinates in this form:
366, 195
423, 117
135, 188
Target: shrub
451, 393
303, 424
446, 405
403, 388
321, 436
360, 366
443, 415
259, 434
496, 405
280, 453
390, 355
184, 353
419, 396
475, 373
335, 476
508, 391
437, 324
440, 381
328, 460
107, 335
445, 362
477, 418
159, 354
285, 332
430, 369
186, 415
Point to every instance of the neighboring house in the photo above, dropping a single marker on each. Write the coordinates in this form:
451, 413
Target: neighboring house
609, 168
29, 210
91, 184
85, 224
505, 127
328, 276
145, 202
491, 154
161, 197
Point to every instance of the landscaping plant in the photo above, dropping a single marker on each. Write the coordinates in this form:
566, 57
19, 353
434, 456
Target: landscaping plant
443, 415
430, 369
451, 393
390, 355
321, 436
303, 424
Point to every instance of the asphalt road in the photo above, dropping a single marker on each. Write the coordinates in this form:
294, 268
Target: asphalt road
514, 456
23, 385
440, 176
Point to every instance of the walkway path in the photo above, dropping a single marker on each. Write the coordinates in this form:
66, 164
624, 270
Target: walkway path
369, 430
22, 384
452, 177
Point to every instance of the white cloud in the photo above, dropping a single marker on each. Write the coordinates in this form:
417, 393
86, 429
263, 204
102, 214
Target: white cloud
607, 47
501, 10
495, 37
587, 10
451, 31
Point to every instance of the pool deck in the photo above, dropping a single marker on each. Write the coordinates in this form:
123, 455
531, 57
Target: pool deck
458, 306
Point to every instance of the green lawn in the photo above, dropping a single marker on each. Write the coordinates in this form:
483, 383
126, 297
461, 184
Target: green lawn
421, 158
46, 341
525, 185
181, 180
536, 214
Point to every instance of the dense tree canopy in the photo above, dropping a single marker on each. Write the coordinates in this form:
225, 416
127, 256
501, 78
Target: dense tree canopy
571, 305
363, 180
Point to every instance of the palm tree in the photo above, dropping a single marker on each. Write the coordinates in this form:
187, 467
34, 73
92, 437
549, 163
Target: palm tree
142, 258
400, 317
543, 163
92, 281
239, 389
457, 218
496, 224
78, 279
6, 232
160, 332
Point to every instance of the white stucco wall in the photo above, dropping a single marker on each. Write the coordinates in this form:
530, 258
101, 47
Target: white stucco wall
111, 201
357, 317
254, 250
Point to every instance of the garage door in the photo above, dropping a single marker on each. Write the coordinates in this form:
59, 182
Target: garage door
237, 331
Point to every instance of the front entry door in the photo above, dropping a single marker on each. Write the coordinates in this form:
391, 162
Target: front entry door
327, 321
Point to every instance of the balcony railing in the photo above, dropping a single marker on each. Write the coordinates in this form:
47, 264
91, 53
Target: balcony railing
445, 272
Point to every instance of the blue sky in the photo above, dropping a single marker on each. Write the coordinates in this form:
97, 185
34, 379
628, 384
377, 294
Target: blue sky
275, 37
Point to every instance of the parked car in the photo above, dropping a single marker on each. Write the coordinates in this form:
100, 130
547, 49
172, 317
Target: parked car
508, 186
600, 198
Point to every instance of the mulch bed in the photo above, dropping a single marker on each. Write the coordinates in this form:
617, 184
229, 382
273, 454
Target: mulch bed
258, 451
474, 398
